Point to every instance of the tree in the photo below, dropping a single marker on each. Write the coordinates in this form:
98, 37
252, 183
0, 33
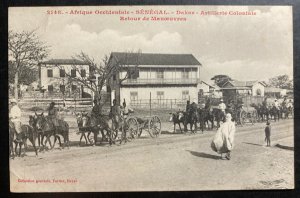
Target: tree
26, 75
102, 70
25, 50
281, 81
220, 80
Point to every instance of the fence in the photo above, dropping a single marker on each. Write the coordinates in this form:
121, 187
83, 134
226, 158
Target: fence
159, 103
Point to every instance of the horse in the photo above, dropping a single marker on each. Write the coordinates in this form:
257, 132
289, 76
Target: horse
192, 119
258, 108
92, 124
284, 111
177, 118
274, 112
27, 132
264, 112
218, 115
205, 115
44, 125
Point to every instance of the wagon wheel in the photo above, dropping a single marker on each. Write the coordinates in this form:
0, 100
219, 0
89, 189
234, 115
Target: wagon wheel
133, 127
113, 132
154, 126
243, 117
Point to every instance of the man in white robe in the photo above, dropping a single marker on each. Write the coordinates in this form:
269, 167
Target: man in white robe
223, 141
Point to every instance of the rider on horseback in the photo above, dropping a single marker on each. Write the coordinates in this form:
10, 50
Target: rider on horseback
52, 114
207, 105
276, 104
222, 106
115, 113
15, 117
96, 111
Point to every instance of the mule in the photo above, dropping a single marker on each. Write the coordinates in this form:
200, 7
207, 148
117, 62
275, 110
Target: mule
177, 118
27, 132
274, 113
190, 118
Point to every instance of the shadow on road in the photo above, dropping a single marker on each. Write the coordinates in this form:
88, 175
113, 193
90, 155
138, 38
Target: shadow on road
204, 155
285, 147
177, 132
252, 144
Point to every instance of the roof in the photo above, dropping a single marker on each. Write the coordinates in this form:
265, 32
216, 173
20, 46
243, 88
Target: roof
155, 59
64, 62
242, 84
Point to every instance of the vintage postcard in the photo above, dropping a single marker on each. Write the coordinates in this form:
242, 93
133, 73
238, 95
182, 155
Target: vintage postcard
150, 98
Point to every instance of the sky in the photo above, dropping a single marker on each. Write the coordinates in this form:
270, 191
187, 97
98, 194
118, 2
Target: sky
251, 47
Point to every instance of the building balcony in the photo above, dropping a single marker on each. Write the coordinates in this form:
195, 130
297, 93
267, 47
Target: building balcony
162, 81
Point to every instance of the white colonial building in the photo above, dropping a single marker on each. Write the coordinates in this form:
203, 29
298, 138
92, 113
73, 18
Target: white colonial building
54, 76
165, 78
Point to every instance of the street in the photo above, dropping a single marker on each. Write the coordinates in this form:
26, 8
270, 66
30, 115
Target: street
170, 162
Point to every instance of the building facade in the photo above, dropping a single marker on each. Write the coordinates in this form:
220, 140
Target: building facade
54, 77
163, 78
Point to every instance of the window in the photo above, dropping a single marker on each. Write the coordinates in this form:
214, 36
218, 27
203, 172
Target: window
50, 88
133, 73
83, 73
74, 87
73, 72
185, 95
160, 95
62, 88
133, 95
50, 73
160, 74
185, 74
62, 73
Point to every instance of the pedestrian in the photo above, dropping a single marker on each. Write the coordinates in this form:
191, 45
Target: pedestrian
268, 134
224, 138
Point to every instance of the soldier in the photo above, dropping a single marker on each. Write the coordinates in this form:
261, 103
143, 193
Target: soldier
52, 114
207, 105
222, 106
96, 111
15, 117
187, 109
116, 113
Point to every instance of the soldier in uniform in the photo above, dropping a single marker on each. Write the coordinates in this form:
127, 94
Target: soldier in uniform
187, 109
15, 117
96, 111
52, 114
115, 113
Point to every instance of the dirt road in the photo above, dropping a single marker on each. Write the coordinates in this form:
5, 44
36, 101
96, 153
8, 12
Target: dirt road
171, 162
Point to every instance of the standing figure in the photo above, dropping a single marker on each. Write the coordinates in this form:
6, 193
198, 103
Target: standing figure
15, 117
268, 134
188, 105
224, 138
96, 111
52, 114
115, 113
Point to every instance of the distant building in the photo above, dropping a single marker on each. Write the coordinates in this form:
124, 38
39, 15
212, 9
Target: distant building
167, 77
53, 77
206, 89
275, 92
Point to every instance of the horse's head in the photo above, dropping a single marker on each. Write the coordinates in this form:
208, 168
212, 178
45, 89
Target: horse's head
32, 121
40, 120
172, 115
85, 119
180, 115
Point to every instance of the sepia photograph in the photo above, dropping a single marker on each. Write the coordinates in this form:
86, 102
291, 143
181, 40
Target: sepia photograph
150, 98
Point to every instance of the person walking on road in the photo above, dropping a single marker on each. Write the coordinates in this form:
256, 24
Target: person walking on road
268, 134
224, 138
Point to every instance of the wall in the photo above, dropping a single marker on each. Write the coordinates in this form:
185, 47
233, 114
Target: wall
257, 86
169, 93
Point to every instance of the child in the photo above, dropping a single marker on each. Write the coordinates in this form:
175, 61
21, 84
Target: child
268, 134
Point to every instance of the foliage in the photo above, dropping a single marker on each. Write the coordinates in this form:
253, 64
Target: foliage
26, 75
25, 50
281, 81
99, 73
221, 79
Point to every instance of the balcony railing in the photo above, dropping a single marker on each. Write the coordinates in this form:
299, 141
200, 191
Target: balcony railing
160, 81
